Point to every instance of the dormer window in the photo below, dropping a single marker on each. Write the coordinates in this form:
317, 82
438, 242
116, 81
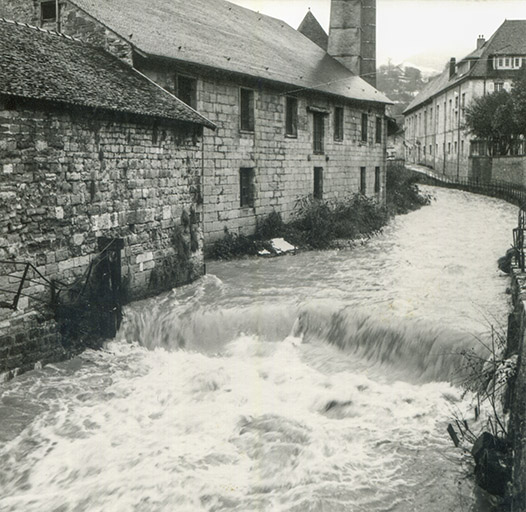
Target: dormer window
48, 11
510, 62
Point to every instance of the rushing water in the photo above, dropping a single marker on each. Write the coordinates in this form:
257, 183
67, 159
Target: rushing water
317, 382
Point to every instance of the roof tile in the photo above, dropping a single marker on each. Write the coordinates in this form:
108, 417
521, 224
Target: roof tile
43, 65
225, 36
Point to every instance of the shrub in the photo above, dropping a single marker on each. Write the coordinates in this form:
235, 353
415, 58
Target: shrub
318, 223
232, 246
403, 194
271, 226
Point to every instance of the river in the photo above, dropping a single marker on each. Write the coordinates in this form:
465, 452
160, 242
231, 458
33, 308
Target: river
318, 382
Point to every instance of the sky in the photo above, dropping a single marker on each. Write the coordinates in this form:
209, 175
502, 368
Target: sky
422, 32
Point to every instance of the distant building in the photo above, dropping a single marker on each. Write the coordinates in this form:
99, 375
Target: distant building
434, 121
292, 119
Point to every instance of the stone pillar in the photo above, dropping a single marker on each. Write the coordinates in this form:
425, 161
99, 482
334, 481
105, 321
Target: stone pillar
352, 36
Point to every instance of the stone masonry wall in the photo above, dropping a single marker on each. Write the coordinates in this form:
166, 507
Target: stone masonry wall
284, 166
71, 21
69, 178
517, 428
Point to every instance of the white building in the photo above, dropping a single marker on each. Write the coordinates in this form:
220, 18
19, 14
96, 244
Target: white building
434, 121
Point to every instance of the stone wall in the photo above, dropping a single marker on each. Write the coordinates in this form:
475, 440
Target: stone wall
283, 165
70, 180
71, 21
509, 169
517, 344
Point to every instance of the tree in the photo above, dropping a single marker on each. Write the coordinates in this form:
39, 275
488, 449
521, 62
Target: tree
492, 118
518, 94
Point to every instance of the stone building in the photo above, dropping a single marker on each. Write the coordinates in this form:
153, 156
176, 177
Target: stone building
292, 120
434, 121
100, 190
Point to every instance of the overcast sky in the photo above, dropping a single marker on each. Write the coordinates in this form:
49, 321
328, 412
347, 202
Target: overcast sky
425, 32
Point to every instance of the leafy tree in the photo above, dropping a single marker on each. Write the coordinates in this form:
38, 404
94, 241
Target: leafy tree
518, 95
492, 118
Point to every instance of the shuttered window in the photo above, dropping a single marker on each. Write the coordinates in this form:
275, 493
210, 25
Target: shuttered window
247, 109
318, 132
291, 121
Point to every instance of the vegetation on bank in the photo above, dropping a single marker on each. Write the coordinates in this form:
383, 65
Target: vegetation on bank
319, 224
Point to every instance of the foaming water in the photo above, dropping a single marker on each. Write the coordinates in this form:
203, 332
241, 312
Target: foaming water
318, 382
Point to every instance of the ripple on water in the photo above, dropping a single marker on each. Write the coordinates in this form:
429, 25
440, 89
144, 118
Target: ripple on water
305, 383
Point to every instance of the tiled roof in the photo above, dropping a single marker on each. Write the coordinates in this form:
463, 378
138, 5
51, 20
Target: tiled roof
311, 28
43, 65
509, 39
221, 35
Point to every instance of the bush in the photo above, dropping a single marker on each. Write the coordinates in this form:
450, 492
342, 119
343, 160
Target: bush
403, 194
271, 226
318, 223
232, 246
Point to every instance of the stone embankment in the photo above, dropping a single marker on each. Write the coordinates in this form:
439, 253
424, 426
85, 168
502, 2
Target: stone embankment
517, 343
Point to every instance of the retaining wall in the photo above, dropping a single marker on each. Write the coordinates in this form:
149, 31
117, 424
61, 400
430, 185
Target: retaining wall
517, 427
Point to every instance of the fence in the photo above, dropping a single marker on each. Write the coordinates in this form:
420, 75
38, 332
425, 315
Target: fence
510, 192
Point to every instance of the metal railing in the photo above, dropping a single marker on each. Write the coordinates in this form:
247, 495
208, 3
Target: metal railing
510, 192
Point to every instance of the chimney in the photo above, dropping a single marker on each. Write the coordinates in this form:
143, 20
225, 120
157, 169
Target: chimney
452, 67
352, 36
480, 42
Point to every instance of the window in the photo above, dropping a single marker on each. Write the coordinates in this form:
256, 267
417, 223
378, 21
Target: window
376, 180
247, 109
449, 147
499, 86
246, 187
501, 62
364, 127
378, 135
338, 123
456, 146
507, 62
462, 146
430, 149
291, 117
318, 132
186, 90
318, 183
517, 62
456, 101
48, 11
363, 177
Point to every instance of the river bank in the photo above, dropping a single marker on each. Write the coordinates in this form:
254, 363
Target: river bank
323, 224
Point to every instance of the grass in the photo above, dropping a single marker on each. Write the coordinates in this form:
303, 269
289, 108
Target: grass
318, 224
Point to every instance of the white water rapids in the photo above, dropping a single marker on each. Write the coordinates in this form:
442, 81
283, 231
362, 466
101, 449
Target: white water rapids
317, 382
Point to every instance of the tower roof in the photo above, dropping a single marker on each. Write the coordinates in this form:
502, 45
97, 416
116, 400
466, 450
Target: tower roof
311, 28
